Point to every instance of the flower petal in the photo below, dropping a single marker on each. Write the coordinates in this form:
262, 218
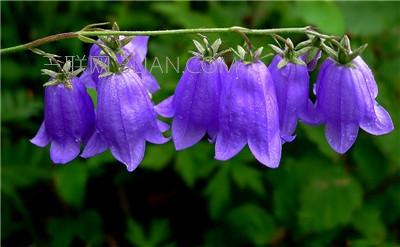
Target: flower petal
232, 136
63, 151
378, 121
165, 108
263, 129
130, 155
41, 138
341, 135
95, 145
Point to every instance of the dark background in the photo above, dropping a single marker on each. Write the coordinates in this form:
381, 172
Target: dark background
315, 198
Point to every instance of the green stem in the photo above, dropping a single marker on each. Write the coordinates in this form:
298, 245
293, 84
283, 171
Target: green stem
56, 37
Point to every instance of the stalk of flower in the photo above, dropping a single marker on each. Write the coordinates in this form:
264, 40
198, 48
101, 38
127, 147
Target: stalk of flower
291, 82
194, 106
69, 116
125, 117
134, 47
249, 111
346, 92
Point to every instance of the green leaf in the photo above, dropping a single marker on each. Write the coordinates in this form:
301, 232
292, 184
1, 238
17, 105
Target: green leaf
324, 15
253, 223
158, 156
70, 183
195, 163
158, 235
245, 176
368, 222
218, 192
328, 202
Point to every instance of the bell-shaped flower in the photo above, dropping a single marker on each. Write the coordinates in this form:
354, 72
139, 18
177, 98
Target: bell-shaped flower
125, 119
346, 101
136, 48
69, 120
249, 114
292, 89
194, 106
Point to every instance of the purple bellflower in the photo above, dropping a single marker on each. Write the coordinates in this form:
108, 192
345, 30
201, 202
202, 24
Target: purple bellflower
249, 114
346, 101
137, 48
125, 119
194, 106
311, 59
69, 120
291, 84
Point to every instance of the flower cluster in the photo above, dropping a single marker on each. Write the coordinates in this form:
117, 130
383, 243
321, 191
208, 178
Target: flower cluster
248, 103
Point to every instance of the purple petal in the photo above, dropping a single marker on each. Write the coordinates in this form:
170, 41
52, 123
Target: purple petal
191, 92
291, 86
263, 129
341, 103
95, 145
232, 136
139, 46
162, 126
377, 121
368, 76
41, 138
165, 108
130, 155
341, 135
63, 151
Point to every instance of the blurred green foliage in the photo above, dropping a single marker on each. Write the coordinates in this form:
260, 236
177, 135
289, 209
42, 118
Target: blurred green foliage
315, 198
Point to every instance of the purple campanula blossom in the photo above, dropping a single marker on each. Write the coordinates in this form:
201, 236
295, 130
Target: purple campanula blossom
291, 84
346, 101
125, 119
194, 106
69, 120
311, 64
137, 47
249, 114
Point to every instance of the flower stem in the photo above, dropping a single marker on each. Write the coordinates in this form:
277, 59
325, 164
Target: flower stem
56, 37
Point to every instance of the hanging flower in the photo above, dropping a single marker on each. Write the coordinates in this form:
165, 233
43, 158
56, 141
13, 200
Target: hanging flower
346, 101
311, 58
291, 86
135, 47
68, 120
249, 114
194, 106
125, 119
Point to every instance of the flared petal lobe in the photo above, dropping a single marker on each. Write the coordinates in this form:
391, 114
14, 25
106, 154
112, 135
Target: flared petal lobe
249, 115
69, 121
346, 101
194, 106
291, 84
125, 119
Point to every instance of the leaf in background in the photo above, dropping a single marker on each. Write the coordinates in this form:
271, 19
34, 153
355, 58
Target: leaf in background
186, 17
70, 182
328, 202
371, 18
326, 16
253, 223
87, 226
195, 163
218, 192
317, 136
368, 222
158, 235
245, 176
158, 156
18, 106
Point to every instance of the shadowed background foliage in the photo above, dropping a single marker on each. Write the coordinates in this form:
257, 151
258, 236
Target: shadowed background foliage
315, 198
